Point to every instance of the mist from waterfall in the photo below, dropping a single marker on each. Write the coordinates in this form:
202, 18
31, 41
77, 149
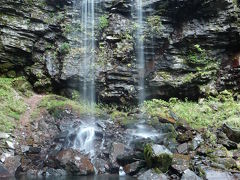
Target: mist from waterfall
140, 52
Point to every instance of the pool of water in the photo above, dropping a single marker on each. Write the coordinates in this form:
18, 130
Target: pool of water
96, 177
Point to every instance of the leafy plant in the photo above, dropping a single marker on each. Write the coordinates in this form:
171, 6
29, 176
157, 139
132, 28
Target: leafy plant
103, 22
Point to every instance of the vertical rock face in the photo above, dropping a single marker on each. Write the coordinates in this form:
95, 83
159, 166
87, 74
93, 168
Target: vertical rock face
191, 47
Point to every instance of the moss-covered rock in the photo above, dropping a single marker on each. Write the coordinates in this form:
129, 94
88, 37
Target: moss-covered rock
158, 156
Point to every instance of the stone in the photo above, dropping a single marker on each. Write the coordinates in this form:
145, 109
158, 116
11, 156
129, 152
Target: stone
4, 135
100, 165
12, 163
10, 145
180, 163
216, 174
116, 150
189, 175
4, 173
55, 172
182, 148
5, 155
159, 149
158, 156
34, 150
129, 158
185, 137
196, 142
232, 133
24, 148
74, 162
132, 168
151, 175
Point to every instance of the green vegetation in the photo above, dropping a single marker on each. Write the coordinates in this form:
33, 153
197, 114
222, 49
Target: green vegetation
155, 24
213, 111
64, 48
12, 105
103, 22
160, 163
199, 56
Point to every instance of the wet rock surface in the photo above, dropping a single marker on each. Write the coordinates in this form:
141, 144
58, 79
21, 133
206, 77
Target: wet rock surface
37, 40
49, 149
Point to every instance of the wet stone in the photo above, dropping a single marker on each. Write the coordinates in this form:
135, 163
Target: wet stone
182, 148
4, 173
152, 175
180, 162
215, 174
12, 163
190, 175
4, 135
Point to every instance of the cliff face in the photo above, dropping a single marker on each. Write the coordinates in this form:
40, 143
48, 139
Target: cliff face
191, 47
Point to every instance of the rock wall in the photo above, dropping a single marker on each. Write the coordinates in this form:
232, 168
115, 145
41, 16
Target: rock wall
191, 47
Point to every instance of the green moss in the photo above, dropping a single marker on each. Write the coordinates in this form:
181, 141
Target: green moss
103, 22
161, 162
210, 112
12, 105
155, 24
64, 48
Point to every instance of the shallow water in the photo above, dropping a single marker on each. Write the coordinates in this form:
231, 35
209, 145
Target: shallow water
97, 177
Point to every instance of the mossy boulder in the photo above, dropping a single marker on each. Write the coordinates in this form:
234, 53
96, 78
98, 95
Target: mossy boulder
158, 156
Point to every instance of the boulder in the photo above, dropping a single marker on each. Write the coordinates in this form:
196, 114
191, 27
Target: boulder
133, 168
117, 149
212, 174
158, 156
55, 172
4, 135
180, 163
190, 175
12, 163
152, 175
232, 133
74, 162
4, 173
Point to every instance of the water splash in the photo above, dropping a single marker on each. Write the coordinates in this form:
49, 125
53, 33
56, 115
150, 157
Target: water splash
84, 140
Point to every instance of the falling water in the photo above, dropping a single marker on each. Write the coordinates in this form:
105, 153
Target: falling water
140, 51
84, 21
88, 23
84, 140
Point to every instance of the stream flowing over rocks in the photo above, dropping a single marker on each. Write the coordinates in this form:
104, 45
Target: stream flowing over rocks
54, 147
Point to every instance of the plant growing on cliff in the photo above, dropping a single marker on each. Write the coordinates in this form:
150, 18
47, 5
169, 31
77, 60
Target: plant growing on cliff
155, 24
198, 56
64, 48
103, 22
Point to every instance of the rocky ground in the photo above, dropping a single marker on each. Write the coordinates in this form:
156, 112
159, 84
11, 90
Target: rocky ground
176, 151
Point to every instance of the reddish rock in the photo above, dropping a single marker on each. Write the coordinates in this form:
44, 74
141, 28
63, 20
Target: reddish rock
12, 163
74, 162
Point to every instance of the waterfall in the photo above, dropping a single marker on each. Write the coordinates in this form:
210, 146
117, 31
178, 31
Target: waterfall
140, 51
88, 23
83, 45
84, 140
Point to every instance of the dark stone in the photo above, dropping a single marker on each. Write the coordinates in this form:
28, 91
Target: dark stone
4, 173
34, 150
232, 133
